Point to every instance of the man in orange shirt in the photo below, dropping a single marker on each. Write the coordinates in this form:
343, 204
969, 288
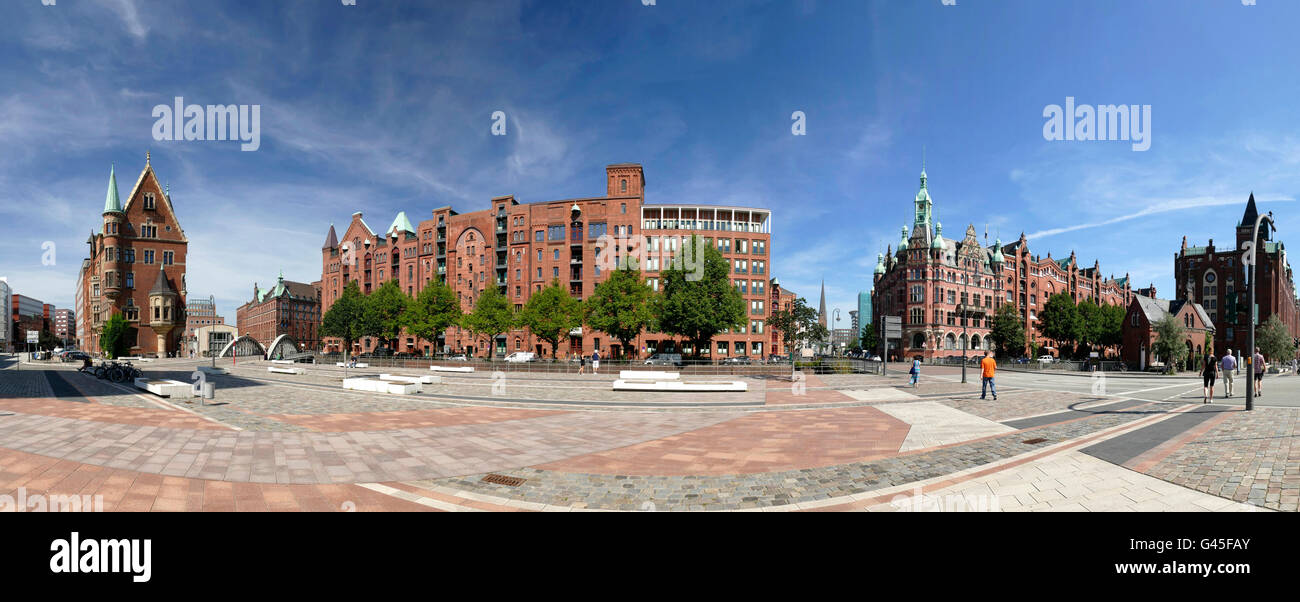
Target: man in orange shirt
988, 367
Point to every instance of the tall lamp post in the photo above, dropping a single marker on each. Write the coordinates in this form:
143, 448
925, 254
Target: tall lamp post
965, 300
835, 324
1252, 261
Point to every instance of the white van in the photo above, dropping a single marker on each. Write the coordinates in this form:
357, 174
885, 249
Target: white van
521, 356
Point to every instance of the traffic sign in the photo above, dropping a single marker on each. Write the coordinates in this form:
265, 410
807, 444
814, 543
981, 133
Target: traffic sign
33, 336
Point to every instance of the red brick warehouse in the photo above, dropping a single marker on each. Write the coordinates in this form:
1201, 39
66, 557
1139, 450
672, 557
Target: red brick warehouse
136, 267
521, 248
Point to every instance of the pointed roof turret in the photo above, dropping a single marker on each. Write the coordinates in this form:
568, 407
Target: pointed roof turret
880, 263
902, 244
821, 307
997, 251
160, 285
1252, 214
331, 239
112, 204
400, 224
938, 236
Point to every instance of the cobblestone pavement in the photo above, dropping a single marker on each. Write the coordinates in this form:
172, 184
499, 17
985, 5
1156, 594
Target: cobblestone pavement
838, 442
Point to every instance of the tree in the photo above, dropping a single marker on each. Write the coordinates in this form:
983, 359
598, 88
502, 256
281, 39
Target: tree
620, 306
1170, 347
1060, 319
113, 340
343, 320
869, 338
1274, 341
47, 341
381, 315
1008, 331
797, 325
492, 316
698, 299
431, 312
551, 313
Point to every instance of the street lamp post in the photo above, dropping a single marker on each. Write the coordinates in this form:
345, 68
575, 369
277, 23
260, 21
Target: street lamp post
834, 326
965, 292
1252, 261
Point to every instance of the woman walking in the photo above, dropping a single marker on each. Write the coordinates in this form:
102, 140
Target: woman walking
915, 371
582, 364
1209, 371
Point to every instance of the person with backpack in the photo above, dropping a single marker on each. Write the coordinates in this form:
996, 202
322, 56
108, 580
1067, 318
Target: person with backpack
915, 371
1229, 370
1259, 373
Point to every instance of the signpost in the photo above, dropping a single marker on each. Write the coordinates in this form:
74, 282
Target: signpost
891, 328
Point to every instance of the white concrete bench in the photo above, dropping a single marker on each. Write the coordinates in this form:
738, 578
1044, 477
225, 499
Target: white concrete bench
280, 370
165, 388
431, 379
450, 369
344, 365
379, 386
681, 386
648, 375
282, 361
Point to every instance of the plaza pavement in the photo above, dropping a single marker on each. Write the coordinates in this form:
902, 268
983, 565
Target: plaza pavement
559, 442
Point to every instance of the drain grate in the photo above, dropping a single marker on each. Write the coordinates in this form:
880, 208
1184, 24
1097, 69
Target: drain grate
499, 479
1034, 441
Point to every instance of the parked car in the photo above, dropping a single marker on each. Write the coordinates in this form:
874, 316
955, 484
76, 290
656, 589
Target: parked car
665, 359
459, 357
777, 359
739, 360
74, 356
519, 357
1046, 359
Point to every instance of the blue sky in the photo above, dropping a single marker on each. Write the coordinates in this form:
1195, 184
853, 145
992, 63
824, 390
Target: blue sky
386, 106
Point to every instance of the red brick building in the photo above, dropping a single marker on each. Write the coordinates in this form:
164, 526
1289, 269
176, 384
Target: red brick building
1139, 329
929, 279
1216, 279
289, 308
137, 268
520, 248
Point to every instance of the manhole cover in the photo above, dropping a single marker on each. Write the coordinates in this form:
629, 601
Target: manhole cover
498, 479
1035, 441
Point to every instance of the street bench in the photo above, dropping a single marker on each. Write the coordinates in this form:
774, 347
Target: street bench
345, 365
282, 361
735, 386
371, 385
451, 369
279, 370
431, 379
650, 375
165, 388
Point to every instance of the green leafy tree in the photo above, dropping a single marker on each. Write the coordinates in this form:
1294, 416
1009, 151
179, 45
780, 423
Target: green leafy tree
869, 339
492, 316
432, 311
1008, 331
113, 341
700, 304
550, 314
620, 307
381, 315
798, 325
1274, 341
343, 320
1060, 319
1170, 346
47, 341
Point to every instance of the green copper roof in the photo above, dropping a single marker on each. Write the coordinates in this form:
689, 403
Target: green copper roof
111, 202
938, 236
997, 252
401, 223
902, 244
1195, 251
880, 263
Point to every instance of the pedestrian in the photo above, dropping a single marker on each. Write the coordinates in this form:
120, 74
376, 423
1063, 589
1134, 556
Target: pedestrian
915, 371
595, 362
988, 367
1259, 373
1229, 365
1209, 370
582, 364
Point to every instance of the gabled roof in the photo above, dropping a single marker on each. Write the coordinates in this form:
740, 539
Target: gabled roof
400, 224
1156, 309
1248, 218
